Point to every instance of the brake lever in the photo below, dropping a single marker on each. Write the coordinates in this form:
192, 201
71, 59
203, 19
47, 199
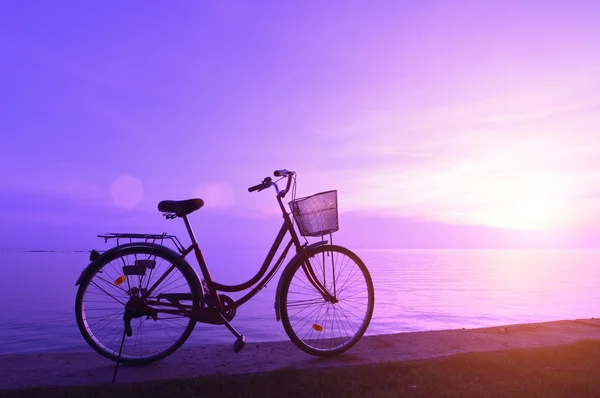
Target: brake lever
266, 184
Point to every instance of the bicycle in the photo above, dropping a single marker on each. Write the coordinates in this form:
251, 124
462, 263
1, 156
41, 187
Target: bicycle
121, 285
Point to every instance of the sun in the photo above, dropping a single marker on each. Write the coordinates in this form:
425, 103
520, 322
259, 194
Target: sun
522, 205
524, 214
535, 213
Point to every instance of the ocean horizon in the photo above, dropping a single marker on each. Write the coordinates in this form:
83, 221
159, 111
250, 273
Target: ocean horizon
415, 290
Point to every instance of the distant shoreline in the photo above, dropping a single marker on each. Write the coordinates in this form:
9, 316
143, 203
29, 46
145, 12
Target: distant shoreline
356, 249
43, 251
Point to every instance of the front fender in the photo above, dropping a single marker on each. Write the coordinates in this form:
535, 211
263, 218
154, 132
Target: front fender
287, 269
96, 257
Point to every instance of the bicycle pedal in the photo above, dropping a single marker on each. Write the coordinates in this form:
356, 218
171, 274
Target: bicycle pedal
239, 343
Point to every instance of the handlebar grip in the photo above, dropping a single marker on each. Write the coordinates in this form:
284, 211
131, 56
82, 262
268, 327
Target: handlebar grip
266, 183
282, 173
256, 187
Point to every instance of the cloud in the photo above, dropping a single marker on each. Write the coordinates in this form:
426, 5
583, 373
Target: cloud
51, 183
472, 162
216, 195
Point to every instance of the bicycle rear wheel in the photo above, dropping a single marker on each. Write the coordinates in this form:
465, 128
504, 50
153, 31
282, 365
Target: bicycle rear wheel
104, 293
327, 324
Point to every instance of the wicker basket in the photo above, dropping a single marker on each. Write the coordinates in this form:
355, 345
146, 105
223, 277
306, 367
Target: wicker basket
316, 215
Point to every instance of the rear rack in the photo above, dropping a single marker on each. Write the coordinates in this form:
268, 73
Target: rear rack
145, 237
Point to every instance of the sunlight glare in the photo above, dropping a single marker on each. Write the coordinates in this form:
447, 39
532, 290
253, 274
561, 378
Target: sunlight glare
527, 203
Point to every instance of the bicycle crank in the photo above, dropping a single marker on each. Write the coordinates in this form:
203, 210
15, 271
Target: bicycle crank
215, 318
224, 319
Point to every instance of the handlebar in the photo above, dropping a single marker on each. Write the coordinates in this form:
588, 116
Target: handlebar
267, 182
263, 185
282, 173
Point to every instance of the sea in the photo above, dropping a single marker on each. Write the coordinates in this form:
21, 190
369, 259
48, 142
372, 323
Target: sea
415, 290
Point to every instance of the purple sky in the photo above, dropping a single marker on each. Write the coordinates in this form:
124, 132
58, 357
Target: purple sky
484, 113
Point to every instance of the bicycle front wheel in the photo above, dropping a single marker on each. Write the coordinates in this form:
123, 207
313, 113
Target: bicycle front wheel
157, 329
327, 301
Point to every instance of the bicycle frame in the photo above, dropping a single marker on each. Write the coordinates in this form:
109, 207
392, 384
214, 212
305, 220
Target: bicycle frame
214, 287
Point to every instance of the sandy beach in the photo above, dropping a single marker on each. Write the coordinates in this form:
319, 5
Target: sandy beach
86, 368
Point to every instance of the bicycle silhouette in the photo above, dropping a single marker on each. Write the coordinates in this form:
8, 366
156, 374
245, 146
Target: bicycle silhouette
139, 301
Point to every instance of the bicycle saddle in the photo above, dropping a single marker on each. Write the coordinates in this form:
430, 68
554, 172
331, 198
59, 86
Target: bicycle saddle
180, 207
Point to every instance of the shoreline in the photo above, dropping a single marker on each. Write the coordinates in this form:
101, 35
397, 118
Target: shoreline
89, 368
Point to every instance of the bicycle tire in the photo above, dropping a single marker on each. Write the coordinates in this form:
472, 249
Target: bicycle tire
158, 252
288, 306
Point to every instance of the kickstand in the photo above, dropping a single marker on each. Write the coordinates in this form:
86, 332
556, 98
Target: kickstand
119, 357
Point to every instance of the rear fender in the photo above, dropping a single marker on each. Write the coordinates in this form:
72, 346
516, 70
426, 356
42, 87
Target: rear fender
288, 268
96, 257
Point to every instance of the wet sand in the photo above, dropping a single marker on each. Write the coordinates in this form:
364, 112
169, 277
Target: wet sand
86, 368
